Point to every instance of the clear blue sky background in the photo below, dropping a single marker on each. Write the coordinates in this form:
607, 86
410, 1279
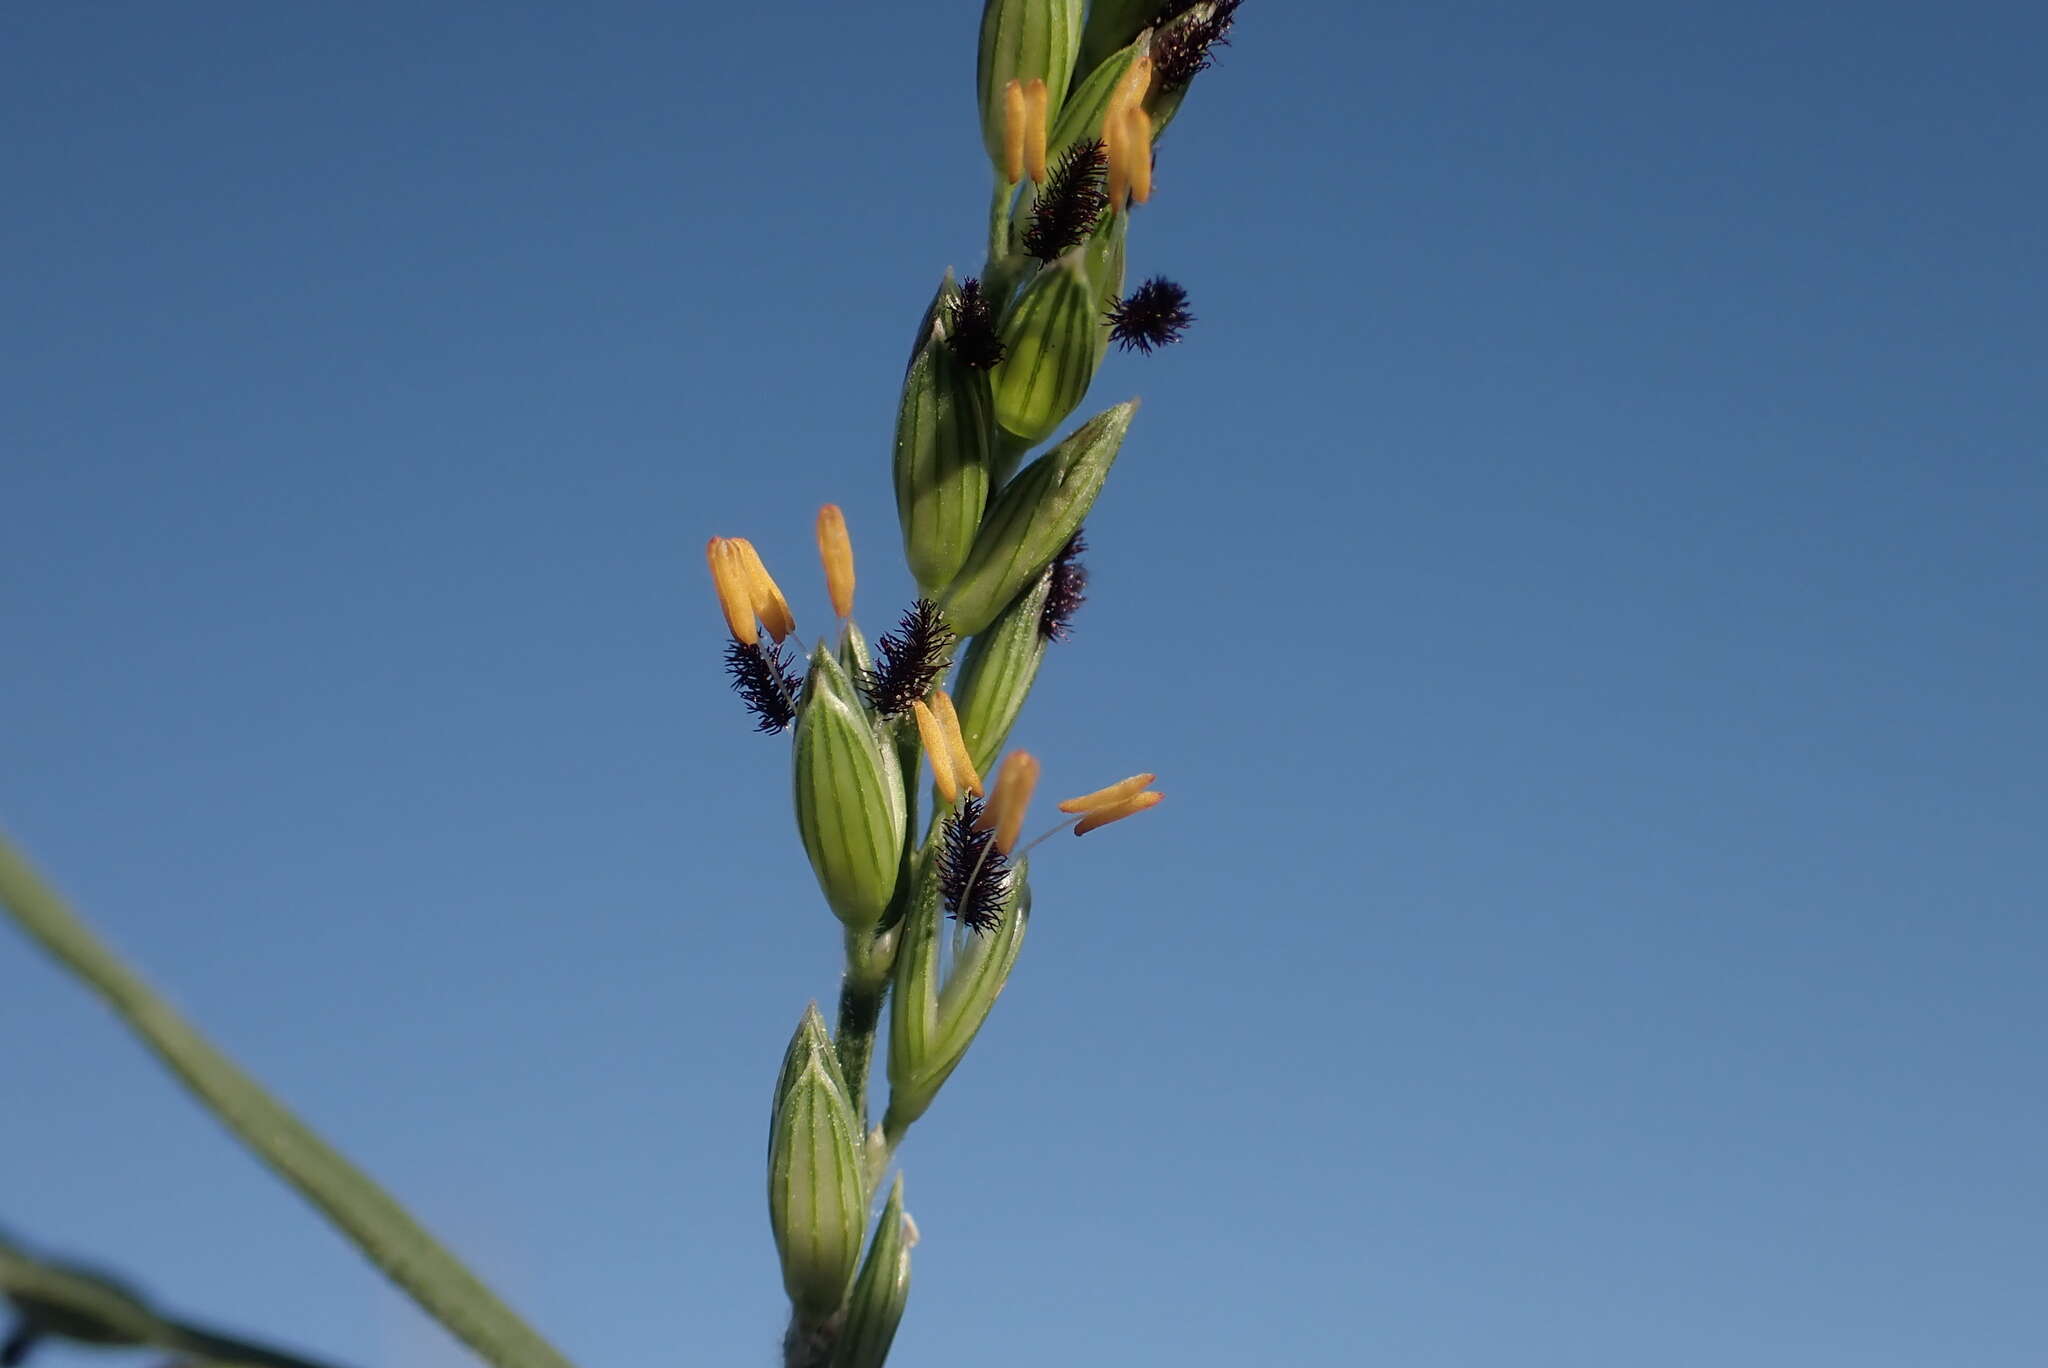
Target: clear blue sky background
1581, 584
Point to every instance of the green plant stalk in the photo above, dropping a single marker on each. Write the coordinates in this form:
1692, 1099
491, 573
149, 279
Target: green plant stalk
861, 994
384, 1231
999, 221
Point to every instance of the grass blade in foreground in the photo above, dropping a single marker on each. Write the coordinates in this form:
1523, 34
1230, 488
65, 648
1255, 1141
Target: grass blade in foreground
368, 1215
58, 1302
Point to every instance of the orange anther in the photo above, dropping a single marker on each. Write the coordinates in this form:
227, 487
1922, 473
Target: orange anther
1103, 797
1015, 116
963, 764
937, 751
735, 594
1137, 144
1015, 782
1116, 812
769, 604
835, 549
1036, 102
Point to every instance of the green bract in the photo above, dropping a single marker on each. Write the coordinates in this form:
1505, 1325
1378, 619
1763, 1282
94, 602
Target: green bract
1081, 116
1033, 518
932, 1024
1022, 40
854, 656
942, 455
1112, 24
1052, 339
876, 1305
849, 796
997, 672
1105, 253
817, 1196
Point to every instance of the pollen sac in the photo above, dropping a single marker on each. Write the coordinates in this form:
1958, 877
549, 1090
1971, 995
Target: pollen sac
849, 796
876, 1306
931, 1023
1099, 817
1034, 517
817, 1190
997, 673
942, 454
1022, 40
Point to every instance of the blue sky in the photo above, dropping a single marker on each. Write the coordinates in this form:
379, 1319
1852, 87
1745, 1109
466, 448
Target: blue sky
1580, 583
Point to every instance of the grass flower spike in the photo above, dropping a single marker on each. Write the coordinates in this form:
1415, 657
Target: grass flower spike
931, 889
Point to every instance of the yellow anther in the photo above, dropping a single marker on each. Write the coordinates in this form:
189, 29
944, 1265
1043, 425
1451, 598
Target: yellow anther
735, 594
1119, 176
1103, 797
1015, 782
963, 763
1137, 143
1037, 100
1015, 115
1121, 141
937, 751
835, 549
1132, 87
769, 604
1116, 812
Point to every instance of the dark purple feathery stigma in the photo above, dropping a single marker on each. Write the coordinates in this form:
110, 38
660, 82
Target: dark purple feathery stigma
971, 327
1067, 592
974, 877
1071, 200
913, 658
1182, 51
1153, 315
761, 676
